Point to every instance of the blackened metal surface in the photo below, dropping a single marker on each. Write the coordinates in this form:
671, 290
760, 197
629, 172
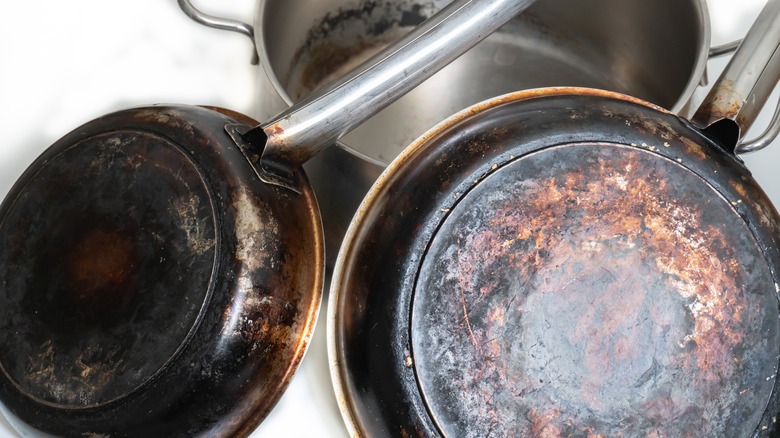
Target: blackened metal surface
595, 290
160, 240
108, 246
352, 32
379, 263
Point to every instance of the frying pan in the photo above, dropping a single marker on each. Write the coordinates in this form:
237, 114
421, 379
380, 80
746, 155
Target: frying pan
162, 267
568, 262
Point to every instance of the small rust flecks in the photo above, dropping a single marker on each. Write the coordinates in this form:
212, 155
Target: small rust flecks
407, 358
274, 130
262, 320
739, 188
693, 149
595, 290
87, 375
724, 105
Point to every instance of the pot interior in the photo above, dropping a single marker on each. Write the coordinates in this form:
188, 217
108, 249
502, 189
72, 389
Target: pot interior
651, 50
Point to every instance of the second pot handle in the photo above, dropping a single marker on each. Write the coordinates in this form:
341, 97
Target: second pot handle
765, 138
248, 29
746, 83
724, 49
220, 23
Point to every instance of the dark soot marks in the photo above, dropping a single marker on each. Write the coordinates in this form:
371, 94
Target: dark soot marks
595, 290
107, 253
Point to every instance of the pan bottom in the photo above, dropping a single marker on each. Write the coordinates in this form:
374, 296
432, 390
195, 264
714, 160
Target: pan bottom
594, 289
108, 252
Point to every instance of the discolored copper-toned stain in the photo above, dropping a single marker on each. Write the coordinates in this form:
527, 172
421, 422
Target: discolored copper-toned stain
594, 290
725, 105
99, 265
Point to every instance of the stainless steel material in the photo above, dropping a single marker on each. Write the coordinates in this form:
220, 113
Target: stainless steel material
220, 23
765, 138
596, 43
654, 50
299, 134
748, 79
343, 322
724, 49
186, 55
282, 253
226, 24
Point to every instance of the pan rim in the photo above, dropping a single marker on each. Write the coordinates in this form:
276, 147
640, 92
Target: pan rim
343, 263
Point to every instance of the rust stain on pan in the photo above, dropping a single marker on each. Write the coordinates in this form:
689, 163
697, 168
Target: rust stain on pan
726, 105
274, 306
594, 290
386, 179
693, 149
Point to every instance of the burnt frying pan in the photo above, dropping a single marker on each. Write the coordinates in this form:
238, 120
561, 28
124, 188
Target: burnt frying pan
161, 268
568, 262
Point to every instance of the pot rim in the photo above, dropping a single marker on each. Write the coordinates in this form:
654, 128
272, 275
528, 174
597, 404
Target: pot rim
681, 106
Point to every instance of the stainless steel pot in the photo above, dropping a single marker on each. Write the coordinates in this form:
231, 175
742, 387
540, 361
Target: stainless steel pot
604, 44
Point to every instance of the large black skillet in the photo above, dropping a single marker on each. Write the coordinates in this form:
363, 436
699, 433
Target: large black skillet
568, 262
161, 268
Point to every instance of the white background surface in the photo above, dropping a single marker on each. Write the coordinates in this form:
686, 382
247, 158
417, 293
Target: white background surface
64, 63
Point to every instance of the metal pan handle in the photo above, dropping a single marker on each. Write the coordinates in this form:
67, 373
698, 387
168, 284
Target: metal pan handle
746, 83
220, 23
302, 131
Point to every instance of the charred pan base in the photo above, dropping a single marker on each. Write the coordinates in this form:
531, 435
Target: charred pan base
97, 243
594, 290
149, 285
552, 310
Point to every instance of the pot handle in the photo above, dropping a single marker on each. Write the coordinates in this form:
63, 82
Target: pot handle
765, 138
724, 49
300, 132
743, 88
220, 23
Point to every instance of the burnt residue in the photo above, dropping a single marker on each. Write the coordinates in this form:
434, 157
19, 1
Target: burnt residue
595, 291
426, 185
150, 283
119, 243
373, 15
262, 314
330, 60
344, 38
724, 103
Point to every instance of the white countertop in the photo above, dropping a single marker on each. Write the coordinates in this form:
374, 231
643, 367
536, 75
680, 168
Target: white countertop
64, 63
